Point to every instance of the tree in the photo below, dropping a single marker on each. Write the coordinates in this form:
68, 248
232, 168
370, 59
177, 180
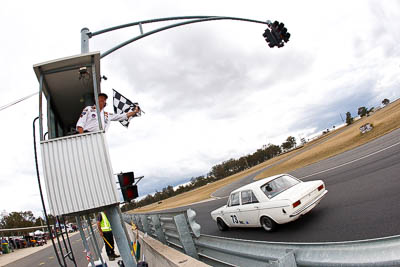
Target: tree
349, 119
18, 220
385, 101
168, 191
292, 141
218, 171
362, 111
285, 146
289, 143
273, 150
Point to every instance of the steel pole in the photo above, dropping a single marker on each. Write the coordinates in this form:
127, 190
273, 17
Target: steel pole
84, 241
119, 235
40, 107
173, 26
94, 239
85, 40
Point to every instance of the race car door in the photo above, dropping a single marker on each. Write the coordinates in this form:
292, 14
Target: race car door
249, 209
231, 212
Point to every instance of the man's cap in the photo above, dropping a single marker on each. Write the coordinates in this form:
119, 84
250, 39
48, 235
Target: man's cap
103, 94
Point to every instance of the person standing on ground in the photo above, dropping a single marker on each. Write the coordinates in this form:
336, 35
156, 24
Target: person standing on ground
106, 233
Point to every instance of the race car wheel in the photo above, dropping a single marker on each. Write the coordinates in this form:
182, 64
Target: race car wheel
268, 224
222, 225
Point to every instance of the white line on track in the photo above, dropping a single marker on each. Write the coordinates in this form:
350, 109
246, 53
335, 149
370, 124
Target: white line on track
341, 165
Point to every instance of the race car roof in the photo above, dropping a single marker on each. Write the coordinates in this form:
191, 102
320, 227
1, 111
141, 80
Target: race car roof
257, 183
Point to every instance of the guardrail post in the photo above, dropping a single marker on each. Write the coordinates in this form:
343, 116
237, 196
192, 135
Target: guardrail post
159, 231
185, 236
139, 225
145, 223
132, 219
191, 214
288, 260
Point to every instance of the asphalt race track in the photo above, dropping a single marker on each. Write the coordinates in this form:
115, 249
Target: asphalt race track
362, 202
47, 257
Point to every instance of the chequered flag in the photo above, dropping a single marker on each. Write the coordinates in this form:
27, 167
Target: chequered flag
123, 105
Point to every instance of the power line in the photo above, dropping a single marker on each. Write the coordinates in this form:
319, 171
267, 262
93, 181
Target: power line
17, 101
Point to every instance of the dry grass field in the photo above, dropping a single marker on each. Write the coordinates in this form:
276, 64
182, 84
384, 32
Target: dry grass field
384, 121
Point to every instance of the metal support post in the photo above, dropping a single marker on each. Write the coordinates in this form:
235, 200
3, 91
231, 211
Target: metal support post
40, 107
133, 218
95, 244
91, 237
145, 223
84, 41
119, 235
184, 236
84, 241
138, 223
124, 228
141, 28
191, 214
288, 260
96, 97
157, 226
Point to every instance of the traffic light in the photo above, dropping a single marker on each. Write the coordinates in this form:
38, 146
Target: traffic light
282, 32
128, 189
269, 38
286, 37
278, 34
280, 27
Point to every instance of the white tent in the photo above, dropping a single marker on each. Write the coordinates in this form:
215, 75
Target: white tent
38, 232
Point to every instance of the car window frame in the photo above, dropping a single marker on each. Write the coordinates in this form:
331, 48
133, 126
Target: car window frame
230, 199
298, 180
252, 197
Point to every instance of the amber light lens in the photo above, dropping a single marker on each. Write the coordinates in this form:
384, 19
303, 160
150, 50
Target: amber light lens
295, 204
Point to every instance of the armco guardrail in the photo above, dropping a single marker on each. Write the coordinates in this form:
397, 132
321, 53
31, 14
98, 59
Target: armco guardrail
171, 229
179, 230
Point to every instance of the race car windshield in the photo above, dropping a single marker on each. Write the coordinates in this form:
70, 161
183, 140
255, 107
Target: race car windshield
278, 185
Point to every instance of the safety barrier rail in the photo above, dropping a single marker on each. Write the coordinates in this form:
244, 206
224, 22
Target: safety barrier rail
179, 230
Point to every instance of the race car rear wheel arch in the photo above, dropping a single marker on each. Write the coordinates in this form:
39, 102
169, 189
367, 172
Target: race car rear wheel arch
222, 225
268, 224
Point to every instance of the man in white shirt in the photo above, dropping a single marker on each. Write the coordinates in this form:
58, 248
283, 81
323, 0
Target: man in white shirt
88, 121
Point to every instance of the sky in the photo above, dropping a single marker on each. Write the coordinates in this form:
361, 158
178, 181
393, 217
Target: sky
211, 91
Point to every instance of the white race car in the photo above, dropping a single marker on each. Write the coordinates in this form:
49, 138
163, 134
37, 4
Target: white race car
270, 201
